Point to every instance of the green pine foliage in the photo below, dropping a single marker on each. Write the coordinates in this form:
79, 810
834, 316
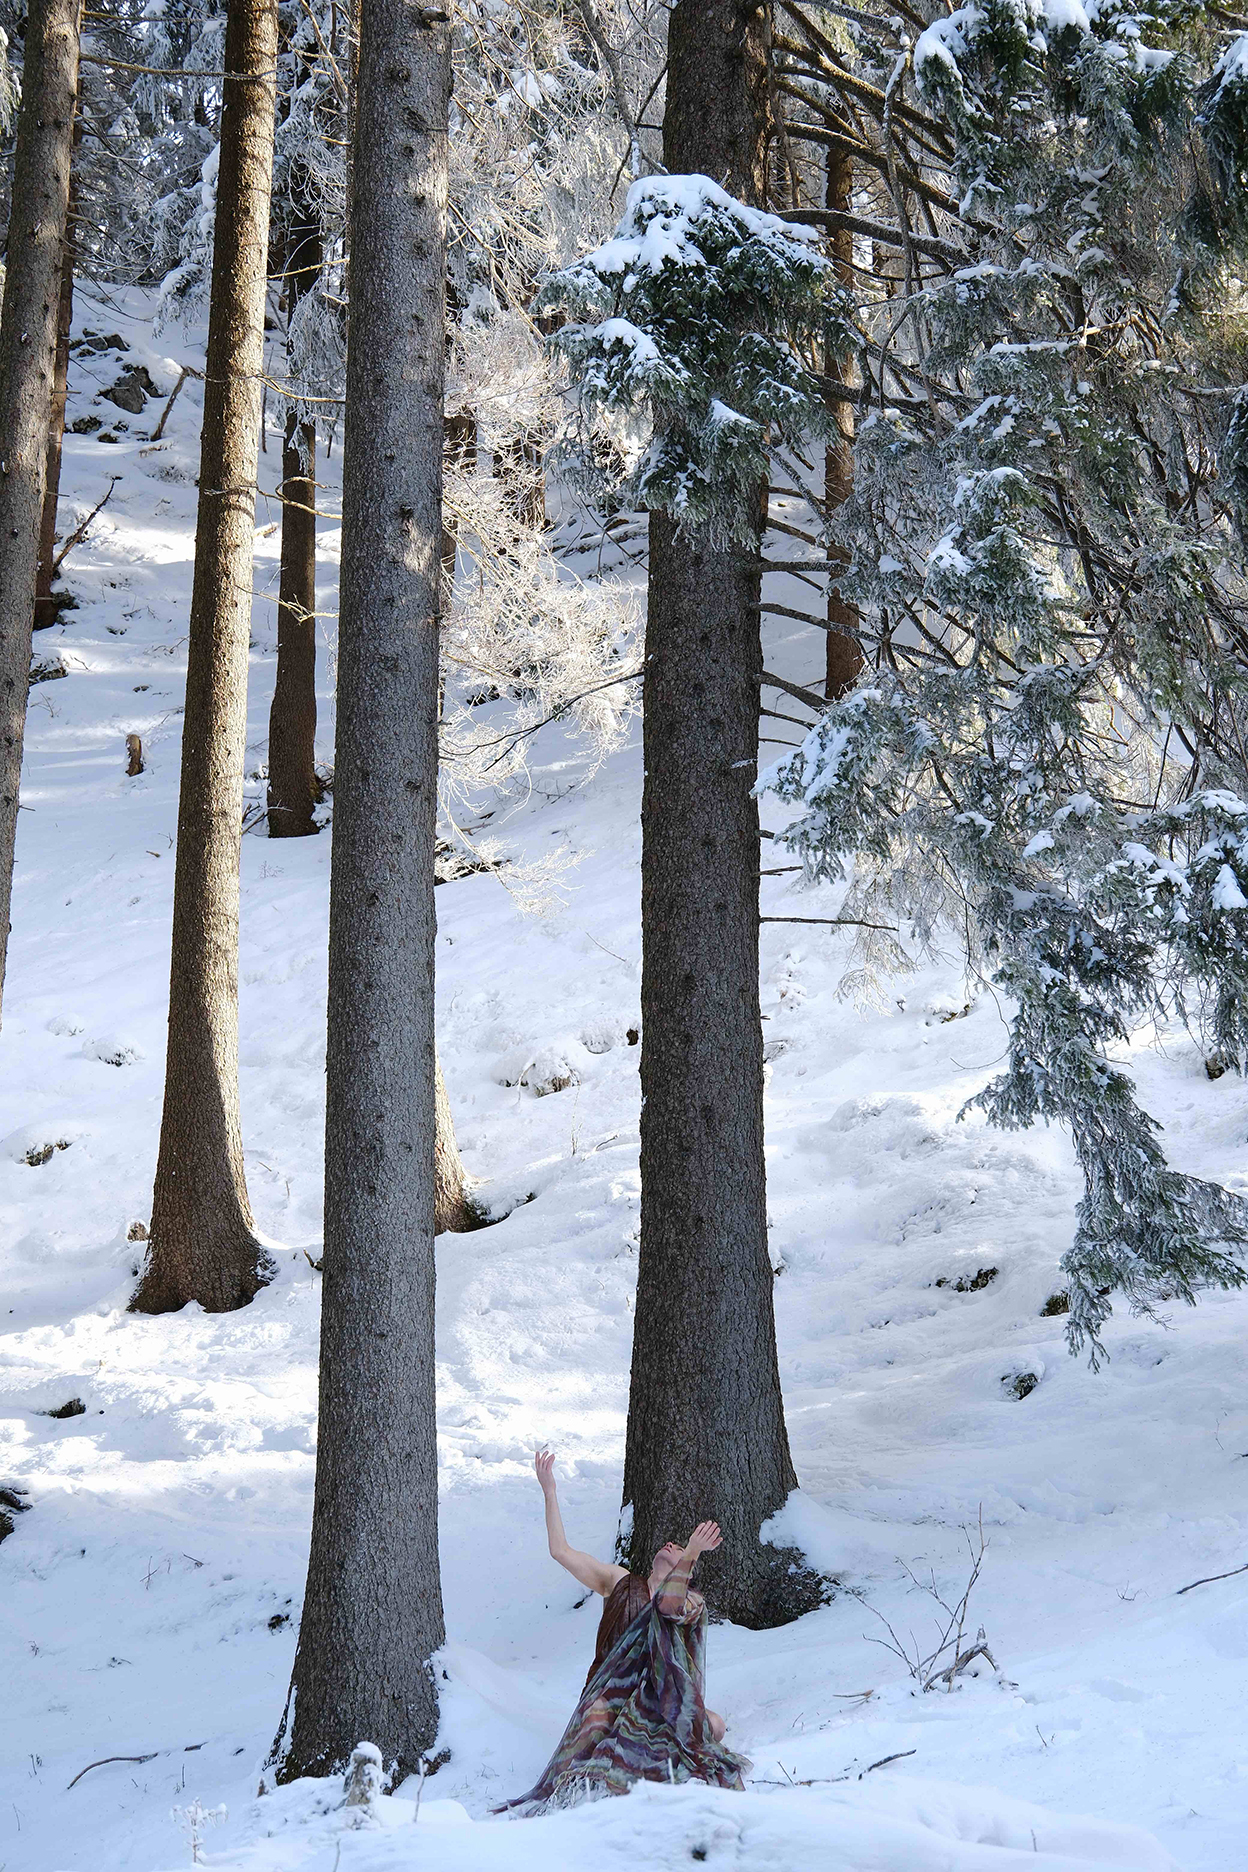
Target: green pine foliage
1045, 543
689, 344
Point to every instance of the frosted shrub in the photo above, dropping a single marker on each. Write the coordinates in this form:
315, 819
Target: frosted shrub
364, 1783
197, 1819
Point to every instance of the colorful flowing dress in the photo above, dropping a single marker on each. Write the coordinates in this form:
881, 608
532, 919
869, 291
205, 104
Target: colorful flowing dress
641, 1715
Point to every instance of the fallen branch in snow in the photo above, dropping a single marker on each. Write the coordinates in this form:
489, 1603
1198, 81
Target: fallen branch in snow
188, 1748
812, 1781
831, 1780
960, 1662
1210, 1580
104, 1761
80, 532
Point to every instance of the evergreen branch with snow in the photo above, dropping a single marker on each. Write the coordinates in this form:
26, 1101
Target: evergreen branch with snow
1047, 557
688, 345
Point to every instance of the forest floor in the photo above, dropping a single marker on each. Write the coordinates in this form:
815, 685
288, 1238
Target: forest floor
151, 1592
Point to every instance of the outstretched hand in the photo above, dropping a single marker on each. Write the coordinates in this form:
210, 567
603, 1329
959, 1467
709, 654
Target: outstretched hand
705, 1538
544, 1468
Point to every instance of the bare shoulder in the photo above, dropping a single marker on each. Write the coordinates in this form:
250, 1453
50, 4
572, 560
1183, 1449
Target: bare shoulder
611, 1577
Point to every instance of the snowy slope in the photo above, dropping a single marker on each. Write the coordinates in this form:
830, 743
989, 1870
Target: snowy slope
150, 1595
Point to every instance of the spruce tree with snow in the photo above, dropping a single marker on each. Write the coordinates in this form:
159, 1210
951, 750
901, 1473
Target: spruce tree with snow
690, 349
1044, 547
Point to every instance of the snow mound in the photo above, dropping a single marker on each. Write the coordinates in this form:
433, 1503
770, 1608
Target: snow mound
906, 1826
35, 1144
114, 1050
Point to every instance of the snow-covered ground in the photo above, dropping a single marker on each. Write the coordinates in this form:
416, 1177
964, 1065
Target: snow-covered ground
150, 1595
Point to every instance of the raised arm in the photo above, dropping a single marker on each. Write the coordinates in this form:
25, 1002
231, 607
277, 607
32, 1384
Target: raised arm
596, 1574
705, 1538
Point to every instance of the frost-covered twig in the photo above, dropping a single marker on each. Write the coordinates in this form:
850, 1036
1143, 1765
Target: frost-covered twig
926, 1668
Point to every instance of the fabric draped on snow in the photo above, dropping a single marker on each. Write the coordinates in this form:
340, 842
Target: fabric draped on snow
641, 1716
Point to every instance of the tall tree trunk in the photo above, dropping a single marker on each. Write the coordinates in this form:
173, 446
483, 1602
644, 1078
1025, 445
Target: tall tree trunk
27, 357
202, 1246
706, 1433
294, 789
372, 1614
46, 608
844, 653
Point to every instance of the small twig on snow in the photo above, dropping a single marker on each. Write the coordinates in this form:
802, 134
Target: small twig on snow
885, 1759
1211, 1578
831, 1780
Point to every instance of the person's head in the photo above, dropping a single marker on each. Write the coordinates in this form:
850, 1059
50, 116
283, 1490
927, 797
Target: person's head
669, 1553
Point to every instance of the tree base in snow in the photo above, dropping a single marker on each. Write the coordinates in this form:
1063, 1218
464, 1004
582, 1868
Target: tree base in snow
791, 1588
221, 1281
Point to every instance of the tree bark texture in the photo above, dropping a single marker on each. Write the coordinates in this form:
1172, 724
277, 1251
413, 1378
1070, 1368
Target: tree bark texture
455, 1213
717, 119
32, 280
372, 1613
844, 653
706, 1433
202, 1246
46, 608
294, 790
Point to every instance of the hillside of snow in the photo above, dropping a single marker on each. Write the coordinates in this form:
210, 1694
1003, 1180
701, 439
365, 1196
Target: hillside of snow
151, 1591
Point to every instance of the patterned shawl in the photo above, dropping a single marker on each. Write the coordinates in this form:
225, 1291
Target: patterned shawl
641, 1716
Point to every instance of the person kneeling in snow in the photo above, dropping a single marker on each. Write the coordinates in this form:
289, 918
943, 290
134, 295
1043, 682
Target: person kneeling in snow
641, 1715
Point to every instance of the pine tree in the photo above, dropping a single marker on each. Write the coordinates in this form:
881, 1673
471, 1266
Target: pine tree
202, 1245
372, 1614
691, 316
46, 606
28, 321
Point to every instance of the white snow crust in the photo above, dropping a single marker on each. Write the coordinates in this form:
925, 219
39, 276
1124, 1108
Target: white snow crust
150, 1595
